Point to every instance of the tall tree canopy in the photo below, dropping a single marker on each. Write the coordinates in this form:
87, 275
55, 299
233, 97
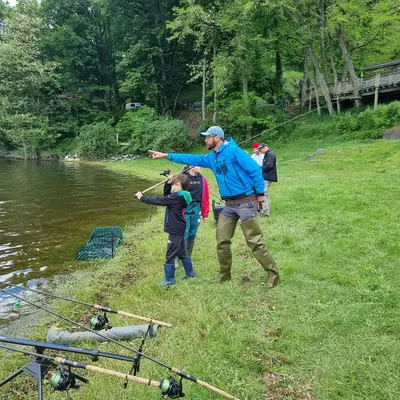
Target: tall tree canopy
65, 64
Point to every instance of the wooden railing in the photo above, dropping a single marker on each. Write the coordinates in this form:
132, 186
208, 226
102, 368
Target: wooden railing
345, 89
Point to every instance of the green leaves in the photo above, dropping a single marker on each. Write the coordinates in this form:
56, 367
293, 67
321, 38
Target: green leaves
145, 130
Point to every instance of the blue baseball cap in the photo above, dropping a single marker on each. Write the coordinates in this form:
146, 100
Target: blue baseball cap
214, 130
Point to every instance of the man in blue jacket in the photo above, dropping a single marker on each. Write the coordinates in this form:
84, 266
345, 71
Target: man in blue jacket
241, 185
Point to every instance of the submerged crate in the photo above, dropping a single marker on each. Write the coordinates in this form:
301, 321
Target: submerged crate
101, 244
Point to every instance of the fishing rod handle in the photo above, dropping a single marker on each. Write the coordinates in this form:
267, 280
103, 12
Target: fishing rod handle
150, 188
206, 385
92, 368
151, 321
154, 186
216, 390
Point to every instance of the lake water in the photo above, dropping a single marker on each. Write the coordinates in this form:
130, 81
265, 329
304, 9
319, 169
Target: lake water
48, 210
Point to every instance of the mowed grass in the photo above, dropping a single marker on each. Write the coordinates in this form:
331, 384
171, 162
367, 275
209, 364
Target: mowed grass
330, 330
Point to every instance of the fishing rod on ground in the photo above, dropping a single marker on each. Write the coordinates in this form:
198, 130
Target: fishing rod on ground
99, 321
182, 374
65, 379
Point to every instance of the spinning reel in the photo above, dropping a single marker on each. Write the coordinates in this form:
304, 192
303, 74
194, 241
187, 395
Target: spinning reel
171, 388
100, 321
64, 379
166, 172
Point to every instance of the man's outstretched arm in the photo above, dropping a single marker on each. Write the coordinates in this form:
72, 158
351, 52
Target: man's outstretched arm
200, 160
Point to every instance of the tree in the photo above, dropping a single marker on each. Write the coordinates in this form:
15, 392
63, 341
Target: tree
27, 80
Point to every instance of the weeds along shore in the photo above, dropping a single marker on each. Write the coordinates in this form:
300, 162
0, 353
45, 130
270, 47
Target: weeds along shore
328, 331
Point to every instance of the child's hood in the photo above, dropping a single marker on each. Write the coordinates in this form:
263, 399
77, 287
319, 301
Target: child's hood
187, 196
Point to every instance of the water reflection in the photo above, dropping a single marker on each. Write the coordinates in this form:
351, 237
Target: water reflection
48, 210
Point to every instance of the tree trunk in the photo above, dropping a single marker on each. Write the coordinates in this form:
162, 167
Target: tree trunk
303, 86
245, 85
176, 99
335, 74
350, 67
203, 96
215, 86
316, 94
336, 83
278, 78
323, 45
322, 83
25, 150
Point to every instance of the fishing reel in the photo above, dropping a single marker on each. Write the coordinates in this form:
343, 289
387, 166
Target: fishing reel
99, 322
64, 379
166, 172
171, 388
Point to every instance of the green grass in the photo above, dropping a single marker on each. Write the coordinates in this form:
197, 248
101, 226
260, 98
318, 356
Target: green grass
329, 331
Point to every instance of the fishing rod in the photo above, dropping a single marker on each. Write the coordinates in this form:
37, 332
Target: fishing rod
93, 353
63, 380
166, 172
262, 133
95, 306
278, 125
177, 371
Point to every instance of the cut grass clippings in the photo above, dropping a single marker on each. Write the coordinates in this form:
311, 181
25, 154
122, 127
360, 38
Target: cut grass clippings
330, 330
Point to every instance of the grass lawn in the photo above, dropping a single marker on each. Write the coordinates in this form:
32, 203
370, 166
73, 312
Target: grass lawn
330, 330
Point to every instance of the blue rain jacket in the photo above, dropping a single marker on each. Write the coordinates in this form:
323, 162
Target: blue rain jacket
237, 174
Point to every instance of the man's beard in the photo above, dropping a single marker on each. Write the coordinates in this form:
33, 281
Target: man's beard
210, 146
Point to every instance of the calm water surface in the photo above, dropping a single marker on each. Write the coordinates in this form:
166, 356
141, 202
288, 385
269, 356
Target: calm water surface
47, 211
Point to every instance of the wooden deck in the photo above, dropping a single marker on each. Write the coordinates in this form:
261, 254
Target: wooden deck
379, 84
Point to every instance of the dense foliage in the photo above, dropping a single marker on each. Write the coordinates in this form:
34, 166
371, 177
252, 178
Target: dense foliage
66, 64
356, 124
149, 131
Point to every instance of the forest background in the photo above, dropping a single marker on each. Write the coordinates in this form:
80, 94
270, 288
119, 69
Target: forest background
68, 67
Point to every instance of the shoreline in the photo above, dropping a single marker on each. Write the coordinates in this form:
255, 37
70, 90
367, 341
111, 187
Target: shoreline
302, 339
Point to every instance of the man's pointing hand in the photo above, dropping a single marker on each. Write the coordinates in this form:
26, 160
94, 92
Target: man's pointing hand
157, 154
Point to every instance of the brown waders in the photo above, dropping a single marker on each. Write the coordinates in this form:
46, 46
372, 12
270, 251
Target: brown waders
254, 239
225, 231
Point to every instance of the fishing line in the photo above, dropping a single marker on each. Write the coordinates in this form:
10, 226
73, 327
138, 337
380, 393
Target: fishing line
96, 306
283, 123
177, 371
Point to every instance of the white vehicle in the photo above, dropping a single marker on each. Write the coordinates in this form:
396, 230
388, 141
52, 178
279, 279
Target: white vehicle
132, 106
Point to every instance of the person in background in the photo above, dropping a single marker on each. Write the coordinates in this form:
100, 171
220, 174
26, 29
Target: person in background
257, 156
176, 198
241, 185
199, 208
269, 174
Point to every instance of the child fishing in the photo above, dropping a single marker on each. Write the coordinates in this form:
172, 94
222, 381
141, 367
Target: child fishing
176, 198
198, 209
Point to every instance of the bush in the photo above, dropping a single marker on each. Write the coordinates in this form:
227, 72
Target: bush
133, 125
241, 116
364, 124
370, 123
147, 131
98, 140
170, 135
